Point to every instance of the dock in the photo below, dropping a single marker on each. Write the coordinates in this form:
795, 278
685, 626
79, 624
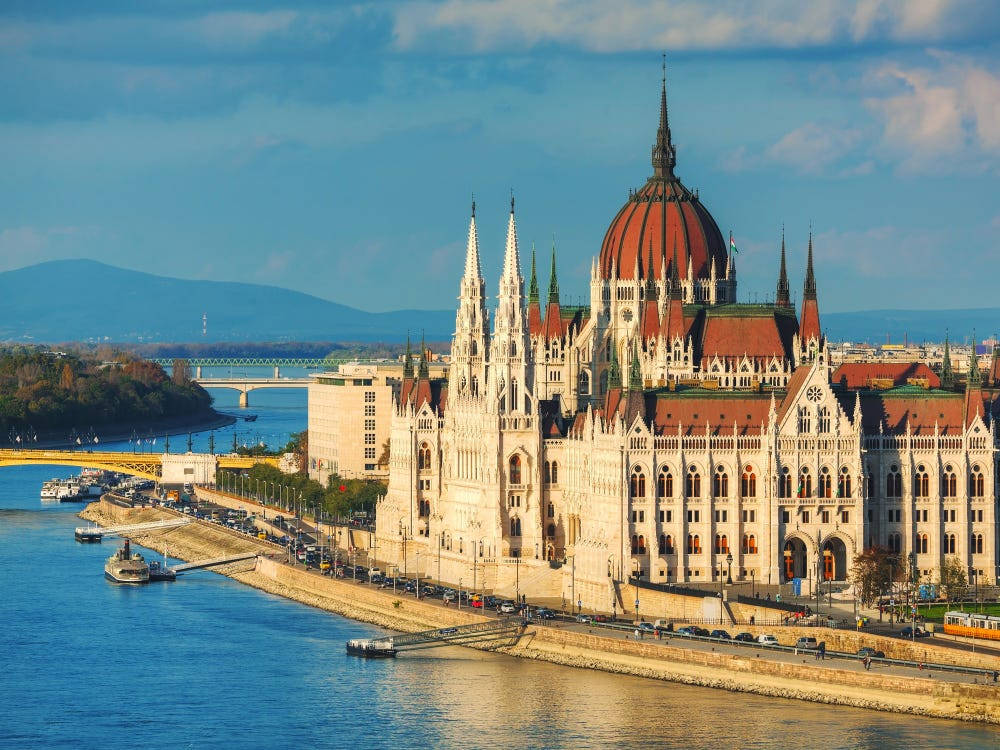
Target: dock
97, 533
501, 632
214, 562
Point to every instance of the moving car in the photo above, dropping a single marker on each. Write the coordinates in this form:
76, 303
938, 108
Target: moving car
914, 632
507, 608
744, 637
723, 634
870, 652
767, 640
646, 627
807, 642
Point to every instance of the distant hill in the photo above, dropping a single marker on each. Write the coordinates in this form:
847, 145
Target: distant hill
79, 300
916, 325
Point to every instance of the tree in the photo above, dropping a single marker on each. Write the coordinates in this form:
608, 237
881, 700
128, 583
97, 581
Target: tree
383, 458
952, 579
67, 378
872, 573
181, 372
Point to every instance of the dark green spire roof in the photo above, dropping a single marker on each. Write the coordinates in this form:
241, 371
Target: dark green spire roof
650, 281
422, 371
634, 373
975, 377
947, 376
533, 286
809, 292
614, 372
553, 281
675, 277
783, 297
408, 361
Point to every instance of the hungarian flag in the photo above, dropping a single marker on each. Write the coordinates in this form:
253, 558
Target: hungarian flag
732, 244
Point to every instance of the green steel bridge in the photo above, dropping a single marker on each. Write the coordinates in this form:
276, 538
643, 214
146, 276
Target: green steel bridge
309, 362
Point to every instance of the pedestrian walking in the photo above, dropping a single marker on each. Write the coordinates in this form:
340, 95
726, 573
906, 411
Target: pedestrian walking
637, 633
868, 663
752, 619
822, 650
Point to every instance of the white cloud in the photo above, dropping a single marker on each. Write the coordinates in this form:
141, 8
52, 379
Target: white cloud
812, 148
492, 25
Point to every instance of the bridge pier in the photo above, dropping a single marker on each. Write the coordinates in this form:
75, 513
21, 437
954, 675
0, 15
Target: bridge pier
277, 372
197, 372
244, 401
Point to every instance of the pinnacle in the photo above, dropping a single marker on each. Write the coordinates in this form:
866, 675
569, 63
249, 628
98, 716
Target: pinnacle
472, 267
553, 282
783, 297
533, 286
511, 260
810, 286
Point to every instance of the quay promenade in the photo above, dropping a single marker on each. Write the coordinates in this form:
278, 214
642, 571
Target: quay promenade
897, 689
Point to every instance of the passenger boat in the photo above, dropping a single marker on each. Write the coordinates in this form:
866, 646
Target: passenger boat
50, 489
370, 649
972, 625
88, 534
126, 566
160, 572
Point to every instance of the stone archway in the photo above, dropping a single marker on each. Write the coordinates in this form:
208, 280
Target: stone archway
794, 559
834, 556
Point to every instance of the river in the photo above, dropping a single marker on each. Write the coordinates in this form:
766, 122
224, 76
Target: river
207, 662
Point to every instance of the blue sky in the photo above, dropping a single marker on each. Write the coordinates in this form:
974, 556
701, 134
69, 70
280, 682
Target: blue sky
333, 148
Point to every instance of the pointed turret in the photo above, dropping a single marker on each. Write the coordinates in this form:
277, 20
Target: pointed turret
511, 259
650, 309
783, 296
534, 308
422, 370
614, 372
975, 376
673, 320
472, 268
809, 326
408, 361
993, 376
634, 371
553, 314
947, 375
664, 154
469, 345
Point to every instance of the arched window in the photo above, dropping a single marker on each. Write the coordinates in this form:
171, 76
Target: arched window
669, 545
805, 483
642, 544
546, 473
977, 544
551, 511
825, 482
550, 530
475, 386
637, 486
844, 483
950, 544
720, 482
515, 469
895, 543
694, 544
555, 473
749, 544
515, 527
921, 483
785, 483
423, 456
663, 544
922, 544
665, 483
748, 483
805, 420
823, 420
949, 482
721, 544
635, 544
583, 384
893, 483
692, 483
976, 482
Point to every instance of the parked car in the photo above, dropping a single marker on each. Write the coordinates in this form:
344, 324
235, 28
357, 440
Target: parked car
507, 608
868, 651
767, 640
449, 595
646, 627
744, 637
686, 630
918, 632
723, 634
807, 642
476, 600
584, 618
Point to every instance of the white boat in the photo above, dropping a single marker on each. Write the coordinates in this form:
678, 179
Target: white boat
50, 489
126, 566
77, 490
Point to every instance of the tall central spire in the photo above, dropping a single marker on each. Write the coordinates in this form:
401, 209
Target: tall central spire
783, 298
664, 154
809, 291
472, 268
511, 259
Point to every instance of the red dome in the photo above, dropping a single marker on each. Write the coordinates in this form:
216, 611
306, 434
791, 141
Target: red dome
640, 225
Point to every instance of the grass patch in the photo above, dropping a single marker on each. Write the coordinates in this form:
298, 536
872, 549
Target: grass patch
935, 612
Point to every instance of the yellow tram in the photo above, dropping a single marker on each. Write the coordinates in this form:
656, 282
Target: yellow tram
972, 625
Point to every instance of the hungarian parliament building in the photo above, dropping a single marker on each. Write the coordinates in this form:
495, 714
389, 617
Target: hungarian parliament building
668, 432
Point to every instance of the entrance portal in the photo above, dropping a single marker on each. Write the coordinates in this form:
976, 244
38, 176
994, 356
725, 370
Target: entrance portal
834, 560
794, 559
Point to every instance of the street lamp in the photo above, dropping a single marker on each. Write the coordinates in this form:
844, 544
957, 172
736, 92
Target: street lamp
638, 572
753, 583
729, 573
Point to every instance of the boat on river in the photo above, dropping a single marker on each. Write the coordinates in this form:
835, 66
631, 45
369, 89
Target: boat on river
370, 649
160, 572
126, 566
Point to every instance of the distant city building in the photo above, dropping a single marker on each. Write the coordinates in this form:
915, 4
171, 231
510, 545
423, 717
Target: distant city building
667, 431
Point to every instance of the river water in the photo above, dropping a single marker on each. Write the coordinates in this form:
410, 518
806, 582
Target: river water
207, 662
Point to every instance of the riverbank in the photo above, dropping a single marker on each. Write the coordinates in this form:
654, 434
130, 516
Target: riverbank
199, 422
749, 671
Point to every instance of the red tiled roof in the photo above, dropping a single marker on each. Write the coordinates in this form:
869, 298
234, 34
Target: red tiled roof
861, 374
795, 384
921, 412
650, 320
732, 337
554, 326
692, 413
534, 319
809, 326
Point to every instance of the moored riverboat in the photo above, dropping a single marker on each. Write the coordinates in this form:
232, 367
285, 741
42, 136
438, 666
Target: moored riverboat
126, 566
370, 649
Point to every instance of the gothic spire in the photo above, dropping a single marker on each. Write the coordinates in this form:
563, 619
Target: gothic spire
975, 377
422, 371
664, 154
533, 286
947, 376
408, 361
809, 292
783, 297
553, 282
614, 372
472, 268
511, 259
634, 373
675, 277
650, 281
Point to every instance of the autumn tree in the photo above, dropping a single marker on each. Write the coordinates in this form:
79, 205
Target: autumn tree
872, 574
952, 579
67, 378
181, 372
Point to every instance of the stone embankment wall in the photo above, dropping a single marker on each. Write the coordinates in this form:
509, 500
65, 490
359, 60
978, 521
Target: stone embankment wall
742, 672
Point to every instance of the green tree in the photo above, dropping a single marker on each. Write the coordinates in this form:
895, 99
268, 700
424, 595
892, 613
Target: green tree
872, 574
952, 579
